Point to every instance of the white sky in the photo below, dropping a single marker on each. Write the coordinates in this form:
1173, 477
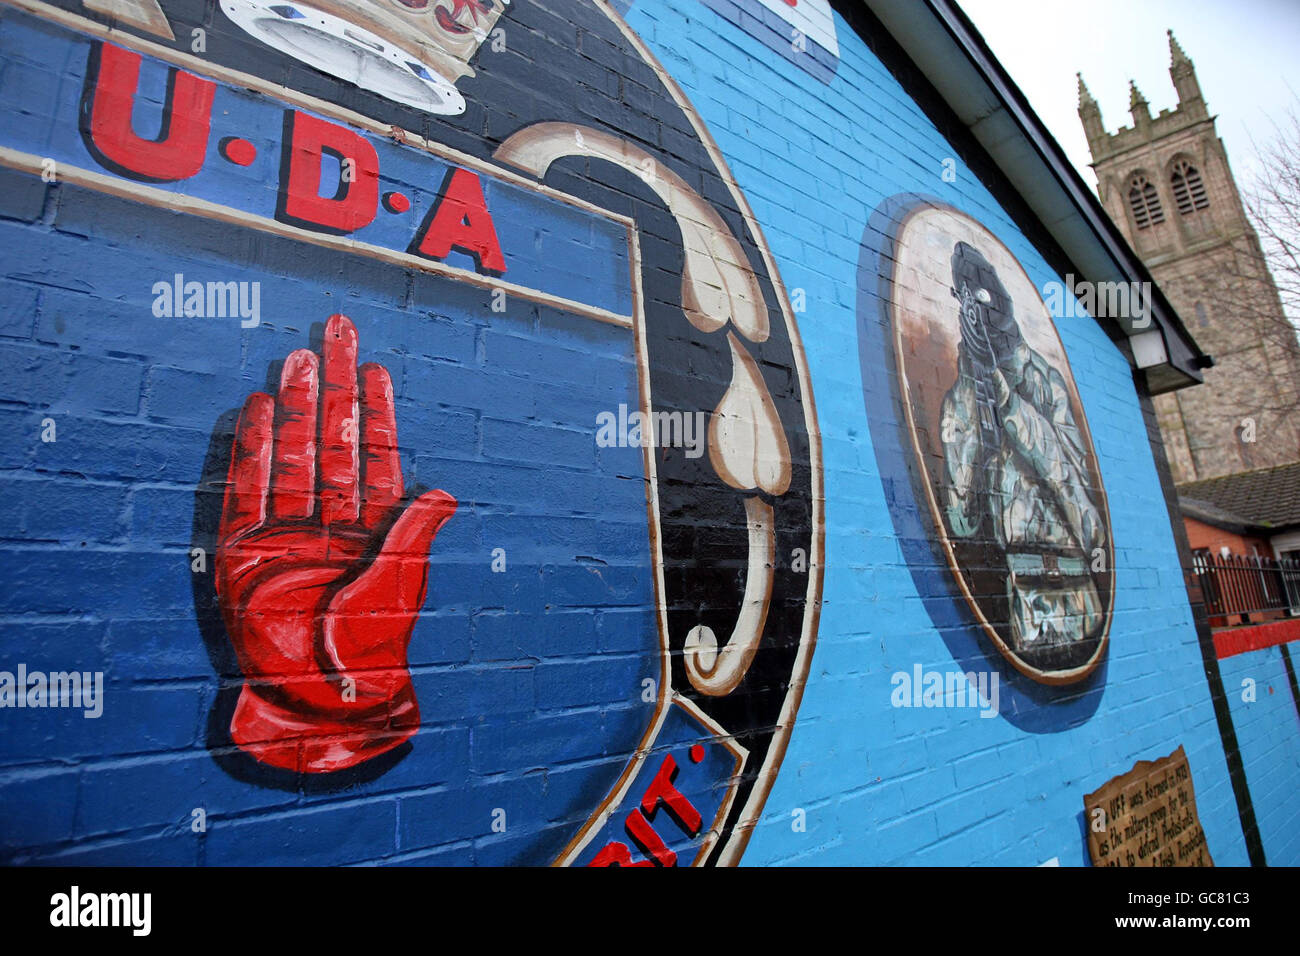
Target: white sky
1247, 56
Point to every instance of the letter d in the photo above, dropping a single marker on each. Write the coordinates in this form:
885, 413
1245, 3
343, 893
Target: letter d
355, 200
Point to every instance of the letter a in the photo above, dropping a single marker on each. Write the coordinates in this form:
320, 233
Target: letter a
461, 221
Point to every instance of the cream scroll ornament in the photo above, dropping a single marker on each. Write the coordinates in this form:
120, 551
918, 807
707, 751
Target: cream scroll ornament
747, 444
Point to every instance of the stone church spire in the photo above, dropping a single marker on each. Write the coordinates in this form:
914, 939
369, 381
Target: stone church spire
1182, 72
1139, 107
1090, 114
1167, 184
1085, 95
1176, 54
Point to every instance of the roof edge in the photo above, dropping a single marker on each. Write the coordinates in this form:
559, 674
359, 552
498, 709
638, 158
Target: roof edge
1215, 517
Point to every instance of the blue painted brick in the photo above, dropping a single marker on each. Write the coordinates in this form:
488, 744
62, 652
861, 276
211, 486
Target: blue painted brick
353, 832
38, 809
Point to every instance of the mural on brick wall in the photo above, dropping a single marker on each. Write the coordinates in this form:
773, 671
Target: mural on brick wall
410, 456
802, 33
511, 484
994, 444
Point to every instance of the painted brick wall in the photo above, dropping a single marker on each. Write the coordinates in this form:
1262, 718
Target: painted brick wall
1263, 712
932, 787
555, 654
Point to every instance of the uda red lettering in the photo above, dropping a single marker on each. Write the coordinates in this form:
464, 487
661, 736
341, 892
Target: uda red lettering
460, 221
647, 840
661, 792
113, 80
354, 202
617, 854
645, 837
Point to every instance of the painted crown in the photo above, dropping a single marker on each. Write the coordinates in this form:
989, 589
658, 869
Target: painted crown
409, 51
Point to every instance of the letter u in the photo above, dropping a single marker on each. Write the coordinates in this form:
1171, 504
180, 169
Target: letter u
112, 84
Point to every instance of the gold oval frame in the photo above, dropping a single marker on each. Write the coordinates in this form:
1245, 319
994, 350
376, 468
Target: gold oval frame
986, 241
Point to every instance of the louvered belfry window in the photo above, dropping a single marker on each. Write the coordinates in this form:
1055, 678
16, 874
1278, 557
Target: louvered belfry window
1145, 203
1189, 189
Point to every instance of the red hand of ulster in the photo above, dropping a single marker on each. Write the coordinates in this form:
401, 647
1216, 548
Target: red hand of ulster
321, 569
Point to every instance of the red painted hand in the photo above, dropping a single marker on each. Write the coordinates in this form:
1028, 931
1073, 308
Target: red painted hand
320, 570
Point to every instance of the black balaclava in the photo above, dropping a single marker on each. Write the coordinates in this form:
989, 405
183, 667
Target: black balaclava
989, 332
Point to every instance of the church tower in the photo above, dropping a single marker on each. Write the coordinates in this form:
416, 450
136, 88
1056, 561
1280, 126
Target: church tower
1166, 182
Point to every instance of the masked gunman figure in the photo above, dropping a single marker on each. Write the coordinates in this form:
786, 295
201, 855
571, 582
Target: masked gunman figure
1016, 470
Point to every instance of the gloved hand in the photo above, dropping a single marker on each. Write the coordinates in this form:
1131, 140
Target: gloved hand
321, 570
